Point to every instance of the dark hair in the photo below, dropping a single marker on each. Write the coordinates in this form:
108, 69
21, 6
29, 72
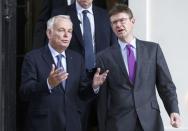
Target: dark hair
119, 8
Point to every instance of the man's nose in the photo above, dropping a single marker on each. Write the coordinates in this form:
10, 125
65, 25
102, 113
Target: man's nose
118, 24
65, 33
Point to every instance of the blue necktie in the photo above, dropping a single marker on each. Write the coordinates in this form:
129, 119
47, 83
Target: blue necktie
59, 65
131, 63
87, 37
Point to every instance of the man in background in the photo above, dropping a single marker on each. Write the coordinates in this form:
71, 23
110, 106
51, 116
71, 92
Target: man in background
47, 6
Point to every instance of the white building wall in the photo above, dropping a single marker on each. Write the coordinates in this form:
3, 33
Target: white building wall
166, 22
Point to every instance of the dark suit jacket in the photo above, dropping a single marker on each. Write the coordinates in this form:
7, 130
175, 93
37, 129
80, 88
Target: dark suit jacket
60, 109
104, 37
100, 3
121, 103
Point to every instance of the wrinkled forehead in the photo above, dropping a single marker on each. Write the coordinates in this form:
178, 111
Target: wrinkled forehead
59, 20
62, 22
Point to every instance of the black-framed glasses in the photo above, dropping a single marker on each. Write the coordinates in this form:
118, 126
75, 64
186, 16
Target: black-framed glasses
122, 21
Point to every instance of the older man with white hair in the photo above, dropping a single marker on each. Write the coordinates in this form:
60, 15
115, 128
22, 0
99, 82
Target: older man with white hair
52, 78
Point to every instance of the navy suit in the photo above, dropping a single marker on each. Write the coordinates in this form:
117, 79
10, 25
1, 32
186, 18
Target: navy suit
58, 110
121, 104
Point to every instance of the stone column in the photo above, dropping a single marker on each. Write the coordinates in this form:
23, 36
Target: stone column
8, 65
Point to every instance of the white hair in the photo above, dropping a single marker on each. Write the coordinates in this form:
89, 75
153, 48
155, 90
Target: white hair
51, 21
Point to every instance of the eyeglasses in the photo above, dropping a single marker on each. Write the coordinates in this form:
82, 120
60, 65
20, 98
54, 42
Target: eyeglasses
122, 21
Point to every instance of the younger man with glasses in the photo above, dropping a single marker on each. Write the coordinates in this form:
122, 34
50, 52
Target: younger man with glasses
127, 101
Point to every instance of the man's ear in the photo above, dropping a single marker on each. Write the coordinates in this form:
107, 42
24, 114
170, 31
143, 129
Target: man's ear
133, 20
48, 33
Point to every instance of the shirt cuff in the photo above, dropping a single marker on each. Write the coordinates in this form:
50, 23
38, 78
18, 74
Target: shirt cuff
49, 87
96, 90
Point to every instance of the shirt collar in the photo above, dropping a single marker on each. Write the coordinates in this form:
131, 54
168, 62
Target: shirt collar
80, 9
54, 52
123, 44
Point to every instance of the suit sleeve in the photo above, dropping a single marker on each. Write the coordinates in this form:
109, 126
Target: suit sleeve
102, 99
165, 85
30, 83
86, 91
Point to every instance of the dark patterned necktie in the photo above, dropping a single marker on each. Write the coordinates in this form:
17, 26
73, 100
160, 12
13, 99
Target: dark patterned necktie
131, 63
87, 37
59, 65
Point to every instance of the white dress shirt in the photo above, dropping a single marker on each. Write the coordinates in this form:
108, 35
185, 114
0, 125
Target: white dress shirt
69, 2
91, 19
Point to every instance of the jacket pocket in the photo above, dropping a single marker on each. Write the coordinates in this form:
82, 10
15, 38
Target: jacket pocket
155, 105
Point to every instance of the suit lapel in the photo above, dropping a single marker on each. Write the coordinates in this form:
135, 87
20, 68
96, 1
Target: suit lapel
97, 19
76, 23
70, 66
119, 59
48, 57
139, 59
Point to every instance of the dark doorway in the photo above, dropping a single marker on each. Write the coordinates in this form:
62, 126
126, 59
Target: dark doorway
7, 65
27, 13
